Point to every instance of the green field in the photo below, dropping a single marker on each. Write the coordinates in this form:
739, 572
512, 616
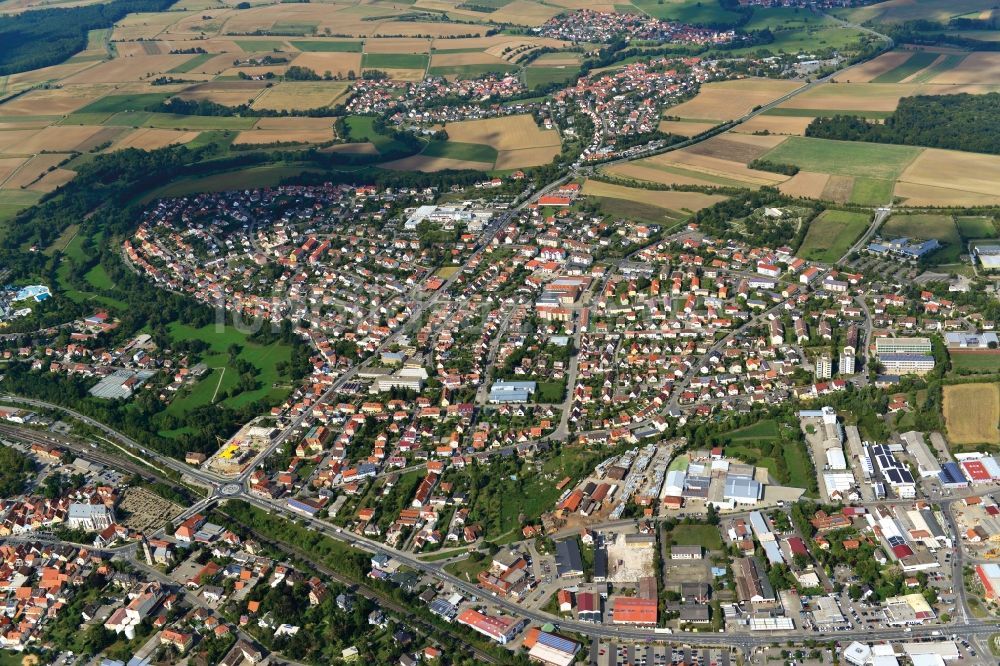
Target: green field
471, 71
949, 62
976, 362
688, 11
297, 28
816, 113
99, 278
767, 429
261, 44
843, 158
636, 211
932, 10
911, 66
180, 122
328, 46
262, 176
265, 358
551, 392
196, 61
871, 191
831, 234
118, 103
535, 77
706, 536
13, 201
362, 128
973, 227
395, 60
456, 150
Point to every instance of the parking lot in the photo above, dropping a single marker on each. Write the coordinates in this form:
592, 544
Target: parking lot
604, 653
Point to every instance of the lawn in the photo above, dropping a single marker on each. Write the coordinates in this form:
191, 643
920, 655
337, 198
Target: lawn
706, 536
468, 569
395, 60
831, 234
911, 66
551, 392
871, 191
843, 158
13, 201
767, 429
328, 46
976, 362
973, 227
265, 358
99, 278
457, 150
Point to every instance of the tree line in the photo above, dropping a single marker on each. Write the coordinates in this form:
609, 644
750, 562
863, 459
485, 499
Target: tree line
957, 122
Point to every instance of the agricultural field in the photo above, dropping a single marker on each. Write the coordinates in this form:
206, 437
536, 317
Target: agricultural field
971, 413
728, 100
831, 234
685, 128
844, 158
950, 178
674, 204
300, 96
518, 140
975, 362
896, 11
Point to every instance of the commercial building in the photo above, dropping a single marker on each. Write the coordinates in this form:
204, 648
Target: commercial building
752, 585
504, 392
552, 650
633, 610
742, 490
685, 552
569, 562
499, 628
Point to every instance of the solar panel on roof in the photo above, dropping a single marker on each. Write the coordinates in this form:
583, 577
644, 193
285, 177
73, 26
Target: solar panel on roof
557, 642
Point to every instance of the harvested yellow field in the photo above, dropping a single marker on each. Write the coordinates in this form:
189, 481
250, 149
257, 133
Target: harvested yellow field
954, 170
417, 29
726, 100
853, 97
121, 70
916, 195
403, 74
979, 68
338, 64
33, 170
256, 71
52, 180
8, 165
150, 138
302, 95
507, 133
229, 93
790, 125
524, 12
971, 412
400, 45
651, 174
718, 167
55, 101
56, 138
495, 44
684, 129
430, 164
454, 59
671, 200
33, 77
141, 26
269, 136
867, 71
805, 184
526, 157
742, 148
366, 148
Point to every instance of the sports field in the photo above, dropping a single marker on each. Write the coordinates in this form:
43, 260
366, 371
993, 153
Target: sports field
971, 413
831, 234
